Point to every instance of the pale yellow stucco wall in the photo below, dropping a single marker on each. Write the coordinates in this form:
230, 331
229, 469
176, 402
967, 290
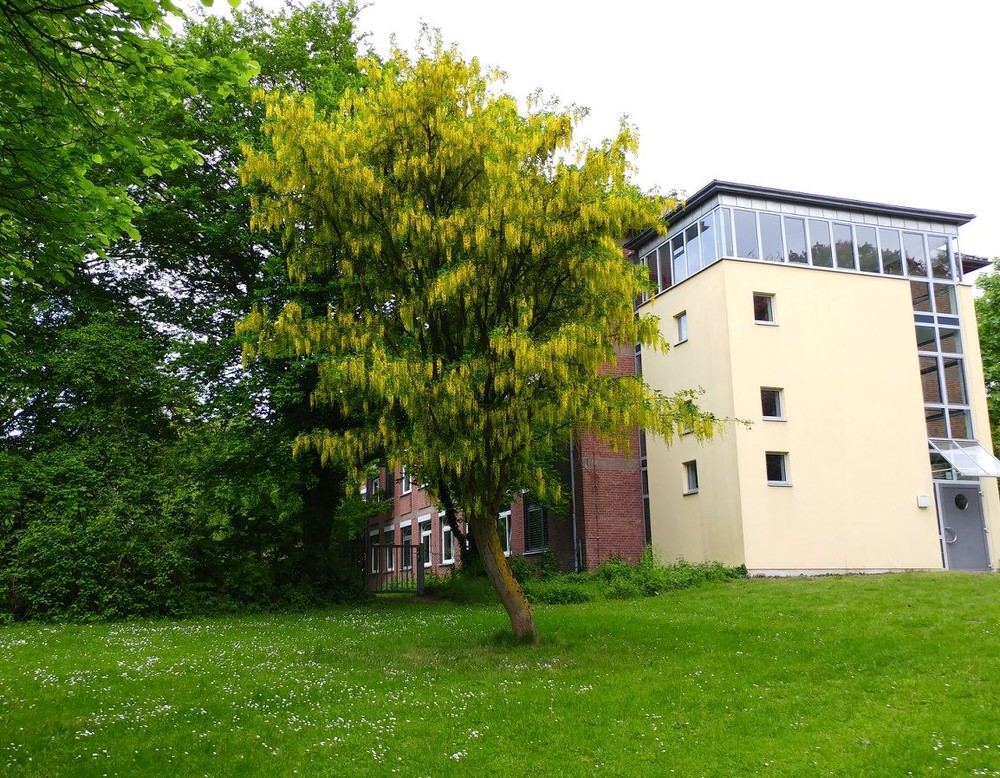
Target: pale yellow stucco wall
706, 525
843, 352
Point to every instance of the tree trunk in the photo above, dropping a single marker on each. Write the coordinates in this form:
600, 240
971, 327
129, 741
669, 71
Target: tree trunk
522, 620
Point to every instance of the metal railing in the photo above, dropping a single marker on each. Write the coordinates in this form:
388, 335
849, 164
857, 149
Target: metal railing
395, 568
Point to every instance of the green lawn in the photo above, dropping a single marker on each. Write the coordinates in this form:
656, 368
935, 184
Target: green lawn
882, 675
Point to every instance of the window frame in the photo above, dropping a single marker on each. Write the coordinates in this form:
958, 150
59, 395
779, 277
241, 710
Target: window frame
446, 530
771, 321
529, 507
389, 531
405, 481
779, 402
785, 481
406, 543
681, 325
691, 483
426, 528
504, 523
373, 551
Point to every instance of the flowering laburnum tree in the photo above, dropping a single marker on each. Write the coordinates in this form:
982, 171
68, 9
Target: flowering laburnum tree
481, 291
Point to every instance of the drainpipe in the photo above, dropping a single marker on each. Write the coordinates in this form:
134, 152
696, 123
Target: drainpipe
572, 488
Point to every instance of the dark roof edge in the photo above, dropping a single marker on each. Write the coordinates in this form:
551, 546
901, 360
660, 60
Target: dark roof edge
717, 187
971, 262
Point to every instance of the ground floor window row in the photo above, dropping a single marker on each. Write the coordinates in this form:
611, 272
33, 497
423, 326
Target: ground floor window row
775, 237
393, 545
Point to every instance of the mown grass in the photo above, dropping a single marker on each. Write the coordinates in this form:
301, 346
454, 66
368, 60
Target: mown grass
887, 675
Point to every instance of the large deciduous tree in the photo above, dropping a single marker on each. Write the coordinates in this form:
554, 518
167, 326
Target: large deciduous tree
481, 291
71, 72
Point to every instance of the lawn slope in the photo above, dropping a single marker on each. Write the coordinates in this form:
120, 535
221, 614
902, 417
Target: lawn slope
877, 675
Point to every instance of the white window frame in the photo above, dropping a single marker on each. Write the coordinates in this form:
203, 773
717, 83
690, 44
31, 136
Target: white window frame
390, 558
405, 482
784, 468
681, 322
503, 520
691, 482
446, 530
780, 403
373, 551
407, 557
772, 321
426, 526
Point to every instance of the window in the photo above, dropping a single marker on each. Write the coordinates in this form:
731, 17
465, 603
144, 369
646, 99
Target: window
373, 550
389, 535
777, 468
892, 254
938, 250
447, 541
663, 255
821, 248
867, 250
763, 308
406, 484
770, 238
678, 262
536, 527
771, 404
425, 540
654, 276
746, 234
709, 253
503, 530
690, 477
727, 233
682, 326
795, 239
843, 240
406, 540
693, 248
916, 254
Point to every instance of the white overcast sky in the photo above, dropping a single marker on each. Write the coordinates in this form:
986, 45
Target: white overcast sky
879, 100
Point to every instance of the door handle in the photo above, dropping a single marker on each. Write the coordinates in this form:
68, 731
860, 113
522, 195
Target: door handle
954, 535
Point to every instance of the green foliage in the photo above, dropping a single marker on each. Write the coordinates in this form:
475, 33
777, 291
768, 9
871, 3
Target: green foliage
70, 74
123, 407
617, 579
988, 318
460, 586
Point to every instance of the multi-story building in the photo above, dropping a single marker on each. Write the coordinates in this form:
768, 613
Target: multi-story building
839, 337
843, 333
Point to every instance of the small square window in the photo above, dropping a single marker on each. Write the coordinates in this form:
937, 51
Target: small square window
771, 405
682, 326
690, 477
777, 468
763, 308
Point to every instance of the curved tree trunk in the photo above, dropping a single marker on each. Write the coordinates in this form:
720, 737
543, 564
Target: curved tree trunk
522, 620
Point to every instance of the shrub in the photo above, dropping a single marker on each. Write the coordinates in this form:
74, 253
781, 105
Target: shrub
559, 590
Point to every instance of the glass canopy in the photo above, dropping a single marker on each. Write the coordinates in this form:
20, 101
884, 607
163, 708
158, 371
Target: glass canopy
968, 457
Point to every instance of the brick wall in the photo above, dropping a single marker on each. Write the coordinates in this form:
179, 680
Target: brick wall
609, 492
